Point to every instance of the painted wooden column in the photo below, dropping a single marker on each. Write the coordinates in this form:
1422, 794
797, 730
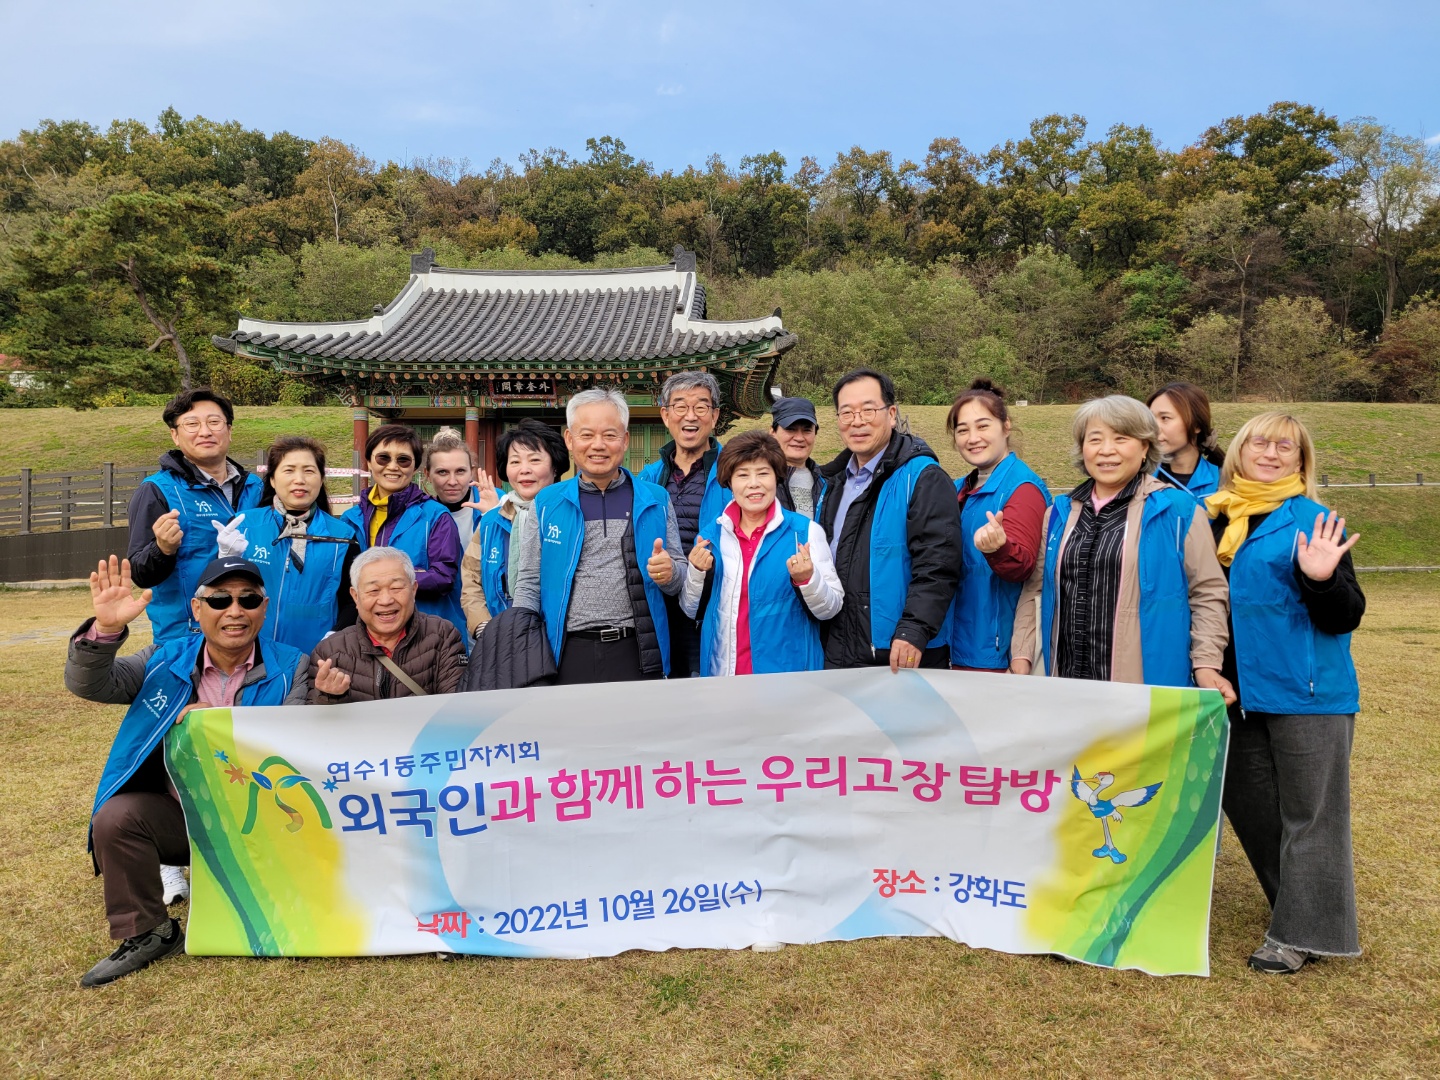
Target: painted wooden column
360, 425
472, 432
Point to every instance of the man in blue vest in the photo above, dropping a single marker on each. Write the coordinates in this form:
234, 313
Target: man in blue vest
686, 469
600, 553
177, 513
889, 510
136, 822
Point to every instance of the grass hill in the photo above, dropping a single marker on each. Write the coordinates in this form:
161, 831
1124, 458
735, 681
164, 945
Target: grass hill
1401, 526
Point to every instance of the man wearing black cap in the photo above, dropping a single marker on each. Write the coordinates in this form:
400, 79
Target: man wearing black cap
794, 427
136, 823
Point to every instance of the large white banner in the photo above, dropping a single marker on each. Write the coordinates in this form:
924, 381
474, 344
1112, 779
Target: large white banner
1023, 814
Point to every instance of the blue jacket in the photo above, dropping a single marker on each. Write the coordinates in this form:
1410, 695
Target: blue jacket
199, 505
562, 534
1204, 481
716, 497
169, 686
1285, 664
1165, 521
494, 529
303, 604
411, 532
890, 556
984, 614
784, 636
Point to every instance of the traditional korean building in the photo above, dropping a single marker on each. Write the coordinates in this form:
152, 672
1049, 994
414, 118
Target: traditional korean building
480, 349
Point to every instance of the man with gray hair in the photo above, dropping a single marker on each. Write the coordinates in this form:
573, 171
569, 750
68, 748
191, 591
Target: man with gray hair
686, 469
600, 554
394, 651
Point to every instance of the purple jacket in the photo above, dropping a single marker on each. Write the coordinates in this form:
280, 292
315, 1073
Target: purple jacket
422, 528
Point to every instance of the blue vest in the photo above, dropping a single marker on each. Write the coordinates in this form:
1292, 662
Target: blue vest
199, 505
1285, 664
303, 604
1204, 481
983, 616
784, 636
411, 534
1165, 520
169, 685
712, 503
494, 530
890, 555
562, 534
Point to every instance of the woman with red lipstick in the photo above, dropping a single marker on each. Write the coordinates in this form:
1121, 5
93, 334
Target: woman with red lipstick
303, 551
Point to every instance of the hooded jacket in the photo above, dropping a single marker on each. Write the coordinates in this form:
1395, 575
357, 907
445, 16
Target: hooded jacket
422, 528
180, 485
898, 556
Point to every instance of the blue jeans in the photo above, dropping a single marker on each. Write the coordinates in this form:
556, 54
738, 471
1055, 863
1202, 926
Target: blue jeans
1287, 795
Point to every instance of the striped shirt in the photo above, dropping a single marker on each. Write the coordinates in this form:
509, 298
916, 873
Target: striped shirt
1089, 585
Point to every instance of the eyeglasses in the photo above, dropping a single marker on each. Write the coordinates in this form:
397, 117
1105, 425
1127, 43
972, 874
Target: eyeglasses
700, 412
403, 460
193, 424
863, 416
220, 601
1283, 447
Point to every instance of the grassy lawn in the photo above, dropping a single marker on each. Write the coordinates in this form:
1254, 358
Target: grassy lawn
890, 1007
1401, 525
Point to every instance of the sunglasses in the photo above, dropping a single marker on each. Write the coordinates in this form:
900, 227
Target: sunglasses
403, 460
220, 601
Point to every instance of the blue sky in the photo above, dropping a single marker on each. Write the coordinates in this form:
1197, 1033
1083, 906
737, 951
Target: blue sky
680, 81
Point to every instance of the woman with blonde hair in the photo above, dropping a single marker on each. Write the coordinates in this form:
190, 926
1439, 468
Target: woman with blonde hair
1129, 587
1294, 603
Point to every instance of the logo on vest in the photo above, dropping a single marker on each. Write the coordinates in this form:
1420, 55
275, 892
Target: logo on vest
156, 703
260, 555
495, 551
552, 534
203, 507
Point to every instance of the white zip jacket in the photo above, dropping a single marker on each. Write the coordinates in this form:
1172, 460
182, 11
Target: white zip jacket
823, 594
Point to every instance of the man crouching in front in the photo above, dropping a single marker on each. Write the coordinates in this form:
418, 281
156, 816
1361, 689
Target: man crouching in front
394, 651
137, 823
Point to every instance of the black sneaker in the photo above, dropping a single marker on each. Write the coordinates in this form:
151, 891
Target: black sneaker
135, 953
1279, 959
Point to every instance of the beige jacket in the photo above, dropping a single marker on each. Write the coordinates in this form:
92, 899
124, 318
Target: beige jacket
472, 591
1209, 597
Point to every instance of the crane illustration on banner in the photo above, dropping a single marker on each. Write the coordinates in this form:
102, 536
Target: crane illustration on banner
1090, 790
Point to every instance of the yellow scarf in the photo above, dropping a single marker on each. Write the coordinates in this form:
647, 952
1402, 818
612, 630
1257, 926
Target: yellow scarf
1243, 498
381, 502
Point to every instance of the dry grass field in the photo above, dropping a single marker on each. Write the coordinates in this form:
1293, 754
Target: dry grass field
891, 1008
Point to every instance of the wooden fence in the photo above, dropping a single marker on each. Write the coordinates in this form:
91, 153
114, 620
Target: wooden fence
59, 502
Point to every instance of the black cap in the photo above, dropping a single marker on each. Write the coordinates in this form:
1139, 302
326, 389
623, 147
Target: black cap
231, 567
789, 411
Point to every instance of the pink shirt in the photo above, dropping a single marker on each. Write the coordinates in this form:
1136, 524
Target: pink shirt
215, 688
749, 545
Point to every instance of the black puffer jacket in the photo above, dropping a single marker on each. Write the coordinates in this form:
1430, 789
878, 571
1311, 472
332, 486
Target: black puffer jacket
932, 526
511, 651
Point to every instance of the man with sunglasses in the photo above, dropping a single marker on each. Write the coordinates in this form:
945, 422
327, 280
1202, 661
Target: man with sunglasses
136, 822
177, 513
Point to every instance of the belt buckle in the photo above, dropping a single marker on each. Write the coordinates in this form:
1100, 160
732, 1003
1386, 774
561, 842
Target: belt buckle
611, 633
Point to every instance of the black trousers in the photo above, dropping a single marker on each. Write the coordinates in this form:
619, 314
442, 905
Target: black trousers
938, 657
134, 832
684, 642
590, 660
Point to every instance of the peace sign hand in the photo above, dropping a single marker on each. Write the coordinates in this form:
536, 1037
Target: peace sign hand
701, 557
112, 595
801, 568
1321, 555
990, 537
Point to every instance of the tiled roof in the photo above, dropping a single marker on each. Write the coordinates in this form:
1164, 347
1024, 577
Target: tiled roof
446, 316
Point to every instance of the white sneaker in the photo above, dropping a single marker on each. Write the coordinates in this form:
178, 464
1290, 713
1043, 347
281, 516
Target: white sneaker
174, 883
767, 946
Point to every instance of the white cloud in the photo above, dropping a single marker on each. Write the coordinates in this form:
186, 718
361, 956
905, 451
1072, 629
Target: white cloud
669, 89
1433, 140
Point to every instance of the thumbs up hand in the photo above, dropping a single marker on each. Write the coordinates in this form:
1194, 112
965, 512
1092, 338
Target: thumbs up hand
660, 567
990, 537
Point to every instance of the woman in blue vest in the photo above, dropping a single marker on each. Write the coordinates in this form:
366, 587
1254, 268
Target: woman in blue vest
1294, 602
529, 457
1129, 588
395, 512
1002, 526
761, 601
1190, 456
303, 550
